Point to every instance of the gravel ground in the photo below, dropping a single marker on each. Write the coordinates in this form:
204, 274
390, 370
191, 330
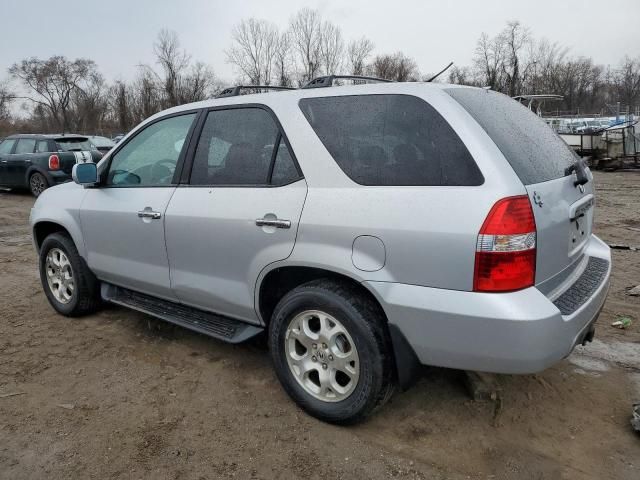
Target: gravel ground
121, 395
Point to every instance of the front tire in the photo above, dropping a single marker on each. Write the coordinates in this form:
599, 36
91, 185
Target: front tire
37, 184
331, 351
69, 285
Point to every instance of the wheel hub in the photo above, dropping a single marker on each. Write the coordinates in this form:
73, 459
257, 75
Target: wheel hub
59, 275
322, 356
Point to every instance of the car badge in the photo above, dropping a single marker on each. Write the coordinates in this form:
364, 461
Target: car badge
537, 199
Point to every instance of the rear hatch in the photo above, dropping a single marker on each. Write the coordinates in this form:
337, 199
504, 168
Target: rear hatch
75, 149
544, 163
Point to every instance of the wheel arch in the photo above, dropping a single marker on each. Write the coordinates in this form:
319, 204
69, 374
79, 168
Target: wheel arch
43, 228
279, 280
33, 168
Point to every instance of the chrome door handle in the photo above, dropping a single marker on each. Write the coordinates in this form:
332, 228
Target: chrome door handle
149, 214
268, 222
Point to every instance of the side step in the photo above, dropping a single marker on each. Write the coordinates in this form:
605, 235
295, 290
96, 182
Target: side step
223, 328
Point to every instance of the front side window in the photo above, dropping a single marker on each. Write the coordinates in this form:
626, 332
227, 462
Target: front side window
26, 145
151, 156
7, 146
236, 147
391, 140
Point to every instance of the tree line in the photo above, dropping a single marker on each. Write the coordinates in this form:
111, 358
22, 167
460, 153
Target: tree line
60, 94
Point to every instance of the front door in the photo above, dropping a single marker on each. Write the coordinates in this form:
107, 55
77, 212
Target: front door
123, 219
239, 212
6, 147
16, 167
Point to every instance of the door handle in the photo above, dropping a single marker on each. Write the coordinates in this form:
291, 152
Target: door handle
149, 214
273, 222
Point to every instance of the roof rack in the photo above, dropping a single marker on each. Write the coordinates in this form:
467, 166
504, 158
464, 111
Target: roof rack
327, 81
235, 91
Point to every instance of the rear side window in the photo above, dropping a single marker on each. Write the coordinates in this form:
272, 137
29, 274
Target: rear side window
26, 145
391, 140
534, 151
43, 146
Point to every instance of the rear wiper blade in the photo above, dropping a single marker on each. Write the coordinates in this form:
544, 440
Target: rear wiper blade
580, 169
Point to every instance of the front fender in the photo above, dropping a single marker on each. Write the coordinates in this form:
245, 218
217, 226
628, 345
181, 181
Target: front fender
60, 205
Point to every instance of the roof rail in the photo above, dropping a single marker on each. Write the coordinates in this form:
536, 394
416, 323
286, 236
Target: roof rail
235, 91
327, 81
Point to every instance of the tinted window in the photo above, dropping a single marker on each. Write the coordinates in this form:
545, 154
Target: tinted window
534, 151
235, 148
151, 156
391, 140
74, 144
6, 146
26, 145
284, 168
43, 146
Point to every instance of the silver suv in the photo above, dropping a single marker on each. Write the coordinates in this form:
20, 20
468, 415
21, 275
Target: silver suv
366, 229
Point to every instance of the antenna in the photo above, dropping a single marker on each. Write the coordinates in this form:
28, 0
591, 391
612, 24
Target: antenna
439, 73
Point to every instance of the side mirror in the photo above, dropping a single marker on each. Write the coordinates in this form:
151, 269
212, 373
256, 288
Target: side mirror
85, 173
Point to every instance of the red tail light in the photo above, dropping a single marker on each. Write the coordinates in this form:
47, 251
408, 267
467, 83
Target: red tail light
54, 162
506, 247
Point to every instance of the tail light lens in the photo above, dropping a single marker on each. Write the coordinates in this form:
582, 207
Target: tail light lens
54, 162
506, 247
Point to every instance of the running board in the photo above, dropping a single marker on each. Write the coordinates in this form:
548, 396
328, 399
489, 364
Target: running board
222, 328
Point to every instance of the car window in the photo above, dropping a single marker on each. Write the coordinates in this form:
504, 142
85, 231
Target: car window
284, 168
6, 146
533, 150
151, 156
391, 140
42, 146
235, 148
74, 144
26, 145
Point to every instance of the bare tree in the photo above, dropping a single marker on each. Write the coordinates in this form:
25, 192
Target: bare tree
254, 49
396, 67
283, 63
331, 48
514, 38
6, 97
627, 82
488, 60
357, 53
52, 82
304, 31
173, 61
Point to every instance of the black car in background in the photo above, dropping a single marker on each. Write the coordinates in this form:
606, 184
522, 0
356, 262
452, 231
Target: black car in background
102, 144
37, 162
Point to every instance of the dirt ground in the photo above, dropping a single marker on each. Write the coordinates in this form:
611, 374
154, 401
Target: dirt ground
121, 395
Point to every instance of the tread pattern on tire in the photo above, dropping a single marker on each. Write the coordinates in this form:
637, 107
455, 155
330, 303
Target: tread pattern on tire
372, 319
86, 283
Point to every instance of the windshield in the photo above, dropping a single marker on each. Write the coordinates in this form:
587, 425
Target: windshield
534, 151
74, 144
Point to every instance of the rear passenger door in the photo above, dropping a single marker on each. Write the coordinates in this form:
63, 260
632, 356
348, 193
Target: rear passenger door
236, 212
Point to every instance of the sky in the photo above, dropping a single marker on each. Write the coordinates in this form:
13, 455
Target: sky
119, 34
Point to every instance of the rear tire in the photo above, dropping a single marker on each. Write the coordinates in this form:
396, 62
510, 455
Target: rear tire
37, 184
69, 285
331, 351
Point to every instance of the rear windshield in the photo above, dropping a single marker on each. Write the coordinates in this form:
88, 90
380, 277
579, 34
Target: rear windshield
532, 148
74, 144
391, 140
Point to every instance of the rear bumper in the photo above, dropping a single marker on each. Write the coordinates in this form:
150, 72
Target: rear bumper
57, 176
518, 332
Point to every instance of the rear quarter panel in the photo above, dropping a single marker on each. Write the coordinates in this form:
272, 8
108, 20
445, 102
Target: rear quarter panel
429, 233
